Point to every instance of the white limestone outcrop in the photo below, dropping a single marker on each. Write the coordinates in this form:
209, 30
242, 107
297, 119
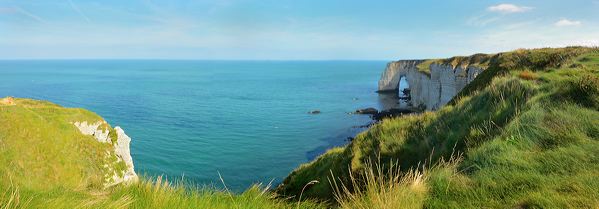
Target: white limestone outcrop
121, 150
94, 130
395, 70
434, 90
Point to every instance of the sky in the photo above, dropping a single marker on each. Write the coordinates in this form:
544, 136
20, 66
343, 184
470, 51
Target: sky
288, 29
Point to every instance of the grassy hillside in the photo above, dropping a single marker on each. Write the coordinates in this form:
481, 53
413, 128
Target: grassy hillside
40, 149
524, 133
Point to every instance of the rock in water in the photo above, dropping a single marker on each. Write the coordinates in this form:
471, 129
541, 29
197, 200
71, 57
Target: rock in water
367, 111
395, 112
314, 112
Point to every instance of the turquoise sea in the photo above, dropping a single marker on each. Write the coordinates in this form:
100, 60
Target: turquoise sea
246, 120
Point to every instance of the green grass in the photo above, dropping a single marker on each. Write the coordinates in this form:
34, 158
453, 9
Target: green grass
377, 189
523, 134
41, 149
147, 194
524, 142
476, 60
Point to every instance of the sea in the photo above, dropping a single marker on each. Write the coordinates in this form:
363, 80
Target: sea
196, 120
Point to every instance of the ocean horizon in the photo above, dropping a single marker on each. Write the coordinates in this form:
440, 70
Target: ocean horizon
195, 119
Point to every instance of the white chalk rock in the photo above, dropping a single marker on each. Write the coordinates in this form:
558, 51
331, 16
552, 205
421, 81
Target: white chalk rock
121, 150
434, 90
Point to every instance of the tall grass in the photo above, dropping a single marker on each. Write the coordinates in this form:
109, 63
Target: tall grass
11, 198
376, 187
158, 193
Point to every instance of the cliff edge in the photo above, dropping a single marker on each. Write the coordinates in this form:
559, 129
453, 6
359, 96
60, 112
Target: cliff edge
46, 146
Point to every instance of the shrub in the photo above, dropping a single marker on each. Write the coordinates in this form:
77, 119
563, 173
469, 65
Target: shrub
528, 75
585, 91
588, 84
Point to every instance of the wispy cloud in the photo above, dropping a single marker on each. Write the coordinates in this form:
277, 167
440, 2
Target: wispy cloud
29, 14
566, 22
481, 20
7, 10
76, 9
508, 8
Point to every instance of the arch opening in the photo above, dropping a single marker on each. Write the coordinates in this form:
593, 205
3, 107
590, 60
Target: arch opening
403, 92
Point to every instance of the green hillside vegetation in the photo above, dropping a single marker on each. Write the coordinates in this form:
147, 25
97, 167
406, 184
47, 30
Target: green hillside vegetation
476, 60
523, 134
40, 148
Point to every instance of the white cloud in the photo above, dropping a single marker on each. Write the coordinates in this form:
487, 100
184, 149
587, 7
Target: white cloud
508, 8
565, 22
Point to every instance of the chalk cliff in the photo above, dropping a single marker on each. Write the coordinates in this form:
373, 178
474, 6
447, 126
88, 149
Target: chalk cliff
100, 131
432, 83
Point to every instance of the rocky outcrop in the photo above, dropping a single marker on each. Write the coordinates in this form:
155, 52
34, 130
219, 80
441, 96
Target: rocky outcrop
94, 130
430, 89
367, 111
7, 101
101, 132
122, 151
395, 70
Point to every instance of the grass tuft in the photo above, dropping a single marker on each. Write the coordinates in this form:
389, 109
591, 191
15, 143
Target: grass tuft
376, 187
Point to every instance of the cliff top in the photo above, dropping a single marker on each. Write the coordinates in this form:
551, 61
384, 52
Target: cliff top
40, 148
476, 60
541, 57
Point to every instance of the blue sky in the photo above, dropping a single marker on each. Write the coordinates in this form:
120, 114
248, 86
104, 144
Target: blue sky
288, 29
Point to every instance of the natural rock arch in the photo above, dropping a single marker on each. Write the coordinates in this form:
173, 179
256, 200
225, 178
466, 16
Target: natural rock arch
431, 90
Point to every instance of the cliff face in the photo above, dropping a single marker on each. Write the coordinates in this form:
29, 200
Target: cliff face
433, 89
100, 132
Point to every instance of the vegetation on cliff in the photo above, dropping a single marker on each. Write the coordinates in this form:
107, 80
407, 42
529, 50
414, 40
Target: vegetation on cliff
476, 60
523, 134
514, 140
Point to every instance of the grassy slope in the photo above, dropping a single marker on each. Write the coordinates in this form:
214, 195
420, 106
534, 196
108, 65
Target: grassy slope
526, 129
40, 149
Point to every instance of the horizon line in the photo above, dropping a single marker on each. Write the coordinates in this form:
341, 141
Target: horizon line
179, 59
